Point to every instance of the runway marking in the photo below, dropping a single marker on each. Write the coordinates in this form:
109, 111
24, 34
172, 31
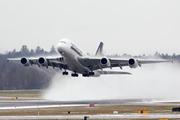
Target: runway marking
23, 107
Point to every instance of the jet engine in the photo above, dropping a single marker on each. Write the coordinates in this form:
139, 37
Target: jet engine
25, 62
132, 63
105, 62
42, 61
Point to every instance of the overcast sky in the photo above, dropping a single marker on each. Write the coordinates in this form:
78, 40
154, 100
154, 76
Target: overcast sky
125, 26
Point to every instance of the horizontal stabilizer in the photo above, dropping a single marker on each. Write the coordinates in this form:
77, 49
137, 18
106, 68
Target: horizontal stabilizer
113, 72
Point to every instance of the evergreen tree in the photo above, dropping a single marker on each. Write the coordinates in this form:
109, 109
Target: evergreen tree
24, 50
53, 50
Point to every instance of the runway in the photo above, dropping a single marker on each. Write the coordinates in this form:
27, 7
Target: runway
44, 103
4, 105
93, 116
39, 103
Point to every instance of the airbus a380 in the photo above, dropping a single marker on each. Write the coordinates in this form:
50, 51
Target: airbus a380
73, 59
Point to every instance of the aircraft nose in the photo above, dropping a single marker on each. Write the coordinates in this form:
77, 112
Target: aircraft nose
61, 47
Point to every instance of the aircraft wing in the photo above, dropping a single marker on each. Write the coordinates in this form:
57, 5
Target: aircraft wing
95, 63
42, 61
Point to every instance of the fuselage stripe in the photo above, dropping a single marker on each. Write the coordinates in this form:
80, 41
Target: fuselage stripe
76, 51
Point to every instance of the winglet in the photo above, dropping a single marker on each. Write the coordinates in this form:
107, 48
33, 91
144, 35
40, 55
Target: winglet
99, 50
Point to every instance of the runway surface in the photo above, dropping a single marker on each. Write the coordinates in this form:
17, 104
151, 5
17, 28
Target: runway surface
92, 116
39, 103
46, 103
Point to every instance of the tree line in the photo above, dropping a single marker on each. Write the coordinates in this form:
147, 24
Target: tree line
14, 76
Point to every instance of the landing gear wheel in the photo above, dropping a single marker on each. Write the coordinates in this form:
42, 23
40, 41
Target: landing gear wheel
85, 75
91, 73
74, 75
65, 73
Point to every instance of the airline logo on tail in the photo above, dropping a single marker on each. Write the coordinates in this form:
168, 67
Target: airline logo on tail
99, 50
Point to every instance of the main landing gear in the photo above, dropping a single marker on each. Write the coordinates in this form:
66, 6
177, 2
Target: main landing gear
87, 75
65, 73
74, 75
91, 73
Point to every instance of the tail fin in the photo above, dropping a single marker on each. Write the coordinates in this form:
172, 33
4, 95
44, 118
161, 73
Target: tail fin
99, 50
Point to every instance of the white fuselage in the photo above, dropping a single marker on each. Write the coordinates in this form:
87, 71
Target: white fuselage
70, 54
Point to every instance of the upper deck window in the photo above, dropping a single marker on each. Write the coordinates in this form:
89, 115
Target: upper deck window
77, 50
63, 42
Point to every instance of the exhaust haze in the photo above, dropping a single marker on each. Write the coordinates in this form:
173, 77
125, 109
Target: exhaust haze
157, 81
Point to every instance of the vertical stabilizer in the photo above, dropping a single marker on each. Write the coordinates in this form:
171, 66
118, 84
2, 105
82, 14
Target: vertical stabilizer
99, 50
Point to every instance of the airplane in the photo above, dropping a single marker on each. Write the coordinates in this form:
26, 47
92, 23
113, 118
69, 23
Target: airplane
73, 59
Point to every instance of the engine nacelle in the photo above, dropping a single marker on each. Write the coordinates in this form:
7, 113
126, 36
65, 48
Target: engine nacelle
42, 61
132, 63
25, 62
105, 62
